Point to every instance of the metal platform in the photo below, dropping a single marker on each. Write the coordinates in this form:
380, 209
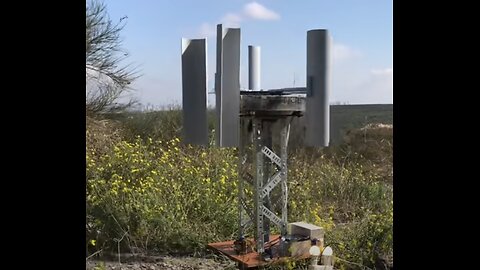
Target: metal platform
271, 103
252, 259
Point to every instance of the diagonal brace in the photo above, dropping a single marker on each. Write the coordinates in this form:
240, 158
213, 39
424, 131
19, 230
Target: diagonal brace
272, 182
272, 156
274, 218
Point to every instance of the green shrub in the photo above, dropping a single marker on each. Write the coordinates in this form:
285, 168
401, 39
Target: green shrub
365, 240
162, 196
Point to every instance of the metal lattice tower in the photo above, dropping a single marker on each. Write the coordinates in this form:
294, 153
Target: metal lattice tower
264, 163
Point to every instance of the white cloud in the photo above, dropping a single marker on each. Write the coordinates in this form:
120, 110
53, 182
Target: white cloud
207, 30
342, 52
356, 83
256, 11
231, 20
253, 11
376, 87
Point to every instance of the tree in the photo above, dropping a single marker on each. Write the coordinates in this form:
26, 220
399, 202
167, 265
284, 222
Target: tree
107, 78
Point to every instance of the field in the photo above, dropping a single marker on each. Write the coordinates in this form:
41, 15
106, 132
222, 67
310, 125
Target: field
148, 193
347, 117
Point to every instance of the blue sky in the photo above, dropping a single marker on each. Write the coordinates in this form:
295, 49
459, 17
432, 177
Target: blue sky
362, 34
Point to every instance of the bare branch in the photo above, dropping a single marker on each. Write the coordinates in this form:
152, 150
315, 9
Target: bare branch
95, 253
107, 79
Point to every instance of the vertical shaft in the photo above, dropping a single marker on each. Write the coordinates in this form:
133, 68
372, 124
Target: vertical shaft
257, 129
254, 68
218, 84
284, 135
241, 151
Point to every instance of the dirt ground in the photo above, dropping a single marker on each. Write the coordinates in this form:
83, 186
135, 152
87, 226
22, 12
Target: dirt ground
163, 262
